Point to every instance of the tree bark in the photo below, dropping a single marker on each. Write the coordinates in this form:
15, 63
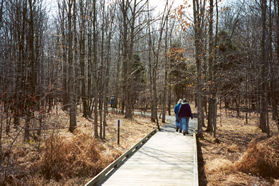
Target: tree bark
124, 11
82, 59
95, 69
71, 71
65, 64
150, 65
89, 61
76, 64
109, 27
198, 54
263, 91
166, 71
210, 71
1, 12
277, 85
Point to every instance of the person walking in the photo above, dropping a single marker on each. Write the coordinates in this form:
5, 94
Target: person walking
184, 114
112, 102
177, 119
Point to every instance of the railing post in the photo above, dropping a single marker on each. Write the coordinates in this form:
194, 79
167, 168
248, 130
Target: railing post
118, 132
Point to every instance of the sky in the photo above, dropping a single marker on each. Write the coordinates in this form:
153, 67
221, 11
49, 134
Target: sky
157, 4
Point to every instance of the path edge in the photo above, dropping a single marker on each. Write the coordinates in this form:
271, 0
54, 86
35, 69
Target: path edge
99, 178
195, 167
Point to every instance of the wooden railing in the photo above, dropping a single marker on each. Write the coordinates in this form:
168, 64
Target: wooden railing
99, 178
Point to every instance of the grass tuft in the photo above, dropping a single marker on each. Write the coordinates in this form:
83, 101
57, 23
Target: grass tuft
261, 158
67, 158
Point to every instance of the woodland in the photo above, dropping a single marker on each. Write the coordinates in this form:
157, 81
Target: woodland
59, 70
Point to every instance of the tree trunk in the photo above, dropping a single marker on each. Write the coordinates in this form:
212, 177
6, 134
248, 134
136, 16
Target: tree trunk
166, 72
263, 91
198, 54
65, 65
277, 57
246, 96
89, 61
76, 64
108, 62
214, 116
124, 11
210, 71
272, 66
155, 67
1, 12
117, 86
31, 75
95, 69
1, 129
129, 101
169, 100
150, 66
27, 127
71, 71
82, 59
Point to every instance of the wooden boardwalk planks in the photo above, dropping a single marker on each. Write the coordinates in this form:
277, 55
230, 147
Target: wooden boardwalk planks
166, 159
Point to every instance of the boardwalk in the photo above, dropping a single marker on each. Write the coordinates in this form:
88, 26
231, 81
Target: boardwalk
166, 159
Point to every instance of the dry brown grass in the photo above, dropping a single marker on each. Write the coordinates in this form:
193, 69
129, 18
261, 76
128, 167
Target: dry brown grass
64, 158
261, 158
67, 158
236, 161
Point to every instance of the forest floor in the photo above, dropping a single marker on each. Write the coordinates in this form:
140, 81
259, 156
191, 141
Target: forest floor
64, 158
242, 155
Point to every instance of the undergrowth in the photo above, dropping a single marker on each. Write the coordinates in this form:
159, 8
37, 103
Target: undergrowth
81, 156
243, 155
261, 158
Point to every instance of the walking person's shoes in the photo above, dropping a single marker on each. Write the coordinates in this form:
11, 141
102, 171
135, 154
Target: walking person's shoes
184, 133
187, 132
176, 129
180, 131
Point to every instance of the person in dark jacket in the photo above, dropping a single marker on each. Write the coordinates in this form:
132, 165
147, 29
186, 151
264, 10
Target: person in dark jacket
112, 101
184, 114
176, 110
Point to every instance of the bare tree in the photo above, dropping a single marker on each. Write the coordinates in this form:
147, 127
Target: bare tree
263, 112
71, 70
82, 34
198, 9
95, 39
166, 70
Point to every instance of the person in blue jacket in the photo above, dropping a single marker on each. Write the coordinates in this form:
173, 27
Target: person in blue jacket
177, 119
112, 101
184, 114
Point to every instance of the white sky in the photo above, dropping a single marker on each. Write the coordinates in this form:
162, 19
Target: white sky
157, 4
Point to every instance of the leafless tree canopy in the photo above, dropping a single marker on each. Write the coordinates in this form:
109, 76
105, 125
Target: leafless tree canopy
90, 51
